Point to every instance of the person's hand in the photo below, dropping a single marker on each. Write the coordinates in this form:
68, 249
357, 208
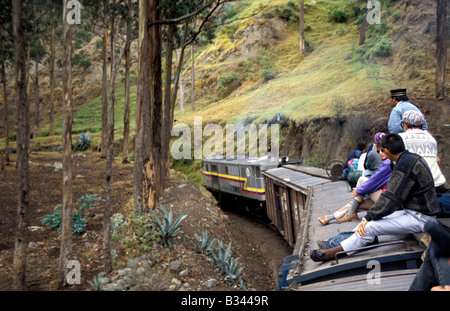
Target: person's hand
445, 288
361, 229
354, 193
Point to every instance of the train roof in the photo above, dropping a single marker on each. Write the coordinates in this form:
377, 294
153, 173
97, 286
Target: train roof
397, 255
260, 161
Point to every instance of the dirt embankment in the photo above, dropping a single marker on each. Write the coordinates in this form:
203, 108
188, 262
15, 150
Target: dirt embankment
260, 250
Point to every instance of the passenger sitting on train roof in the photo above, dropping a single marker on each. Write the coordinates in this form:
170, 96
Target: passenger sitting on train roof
373, 186
373, 159
421, 142
434, 273
355, 154
408, 203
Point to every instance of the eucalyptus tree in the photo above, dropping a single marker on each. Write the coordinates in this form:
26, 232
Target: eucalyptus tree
6, 59
23, 127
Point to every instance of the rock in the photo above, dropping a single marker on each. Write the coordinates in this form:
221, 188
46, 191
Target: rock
187, 285
175, 266
210, 283
140, 271
104, 280
123, 272
147, 264
32, 246
184, 273
102, 274
132, 263
175, 281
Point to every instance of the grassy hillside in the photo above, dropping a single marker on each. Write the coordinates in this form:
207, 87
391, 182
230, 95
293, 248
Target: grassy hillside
251, 69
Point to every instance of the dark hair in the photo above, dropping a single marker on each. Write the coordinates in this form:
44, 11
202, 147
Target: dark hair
394, 143
361, 146
401, 98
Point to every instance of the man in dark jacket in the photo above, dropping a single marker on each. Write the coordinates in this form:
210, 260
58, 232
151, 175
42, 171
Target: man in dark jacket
408, 203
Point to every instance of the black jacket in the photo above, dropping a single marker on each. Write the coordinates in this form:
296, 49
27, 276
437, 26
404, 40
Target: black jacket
411, 186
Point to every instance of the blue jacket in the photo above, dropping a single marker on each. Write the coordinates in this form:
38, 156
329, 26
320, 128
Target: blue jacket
395, 120
377, 180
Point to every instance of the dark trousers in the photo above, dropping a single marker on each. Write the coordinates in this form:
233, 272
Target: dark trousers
435, 270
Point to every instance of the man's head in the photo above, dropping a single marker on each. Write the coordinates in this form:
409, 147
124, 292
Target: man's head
398, 95
361, 146
393, 146
412, 119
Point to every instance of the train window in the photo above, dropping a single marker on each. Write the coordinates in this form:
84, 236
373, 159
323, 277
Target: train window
257, 171
213, 168
246, 171
226, 170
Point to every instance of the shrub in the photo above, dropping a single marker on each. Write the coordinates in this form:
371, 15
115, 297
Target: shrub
267, 74
228, 82
135, 232
82, 61
382, 48
338, 14
83, 142
54, 220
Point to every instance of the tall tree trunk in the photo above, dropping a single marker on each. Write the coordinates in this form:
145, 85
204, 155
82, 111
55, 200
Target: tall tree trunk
126, 116
110, 154
153, 164
52, 76
193, 77
142, 105
180, 83
441, 48
104, 82
66, 231
167, 109
23, 128
362, 32
302, 29
5, 99
36, 94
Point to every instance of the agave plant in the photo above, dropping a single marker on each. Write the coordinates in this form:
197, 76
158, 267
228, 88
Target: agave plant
205, 244
84, 142
97, 285
168, 228
232, 273
222, 256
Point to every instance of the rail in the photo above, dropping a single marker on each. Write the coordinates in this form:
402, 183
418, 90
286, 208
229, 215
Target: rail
407, 249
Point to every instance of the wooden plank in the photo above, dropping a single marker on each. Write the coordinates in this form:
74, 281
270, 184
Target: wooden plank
388, 281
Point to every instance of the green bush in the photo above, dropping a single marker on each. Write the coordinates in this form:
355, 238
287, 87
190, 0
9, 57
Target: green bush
54, 220
338, 14
382, 48
83, 142
82, 61
228, 82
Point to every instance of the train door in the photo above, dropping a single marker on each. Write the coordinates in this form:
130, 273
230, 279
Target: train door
287, 227
215, 177
247, 173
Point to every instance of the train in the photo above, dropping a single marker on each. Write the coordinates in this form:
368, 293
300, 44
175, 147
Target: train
292, 196
240, 177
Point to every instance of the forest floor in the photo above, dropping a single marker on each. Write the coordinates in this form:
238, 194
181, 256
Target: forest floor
259, 248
